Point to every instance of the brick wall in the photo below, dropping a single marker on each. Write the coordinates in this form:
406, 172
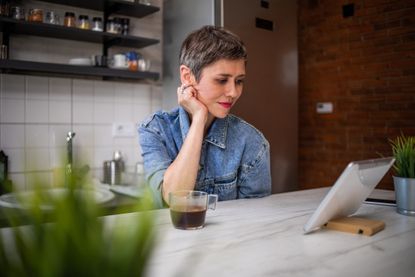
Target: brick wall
365, 65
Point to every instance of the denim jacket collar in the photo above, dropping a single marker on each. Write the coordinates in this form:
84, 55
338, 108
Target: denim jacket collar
217, 132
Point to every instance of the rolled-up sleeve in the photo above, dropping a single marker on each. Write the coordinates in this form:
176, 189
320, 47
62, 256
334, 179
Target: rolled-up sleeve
156, 160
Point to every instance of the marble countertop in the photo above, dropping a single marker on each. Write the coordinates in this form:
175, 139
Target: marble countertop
264, 237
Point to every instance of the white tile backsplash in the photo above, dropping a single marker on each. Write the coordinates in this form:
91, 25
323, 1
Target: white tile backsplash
123, 93
123, 112
141, 112
84, 135
37, 88
122, 142
60, 89
83, 112
142, 94
83, 90
84, 155
12, 111
37, 159
58, 157
19, 181
12, 86
156, 95
103, 112
37, 135
33, 128
16, 157
59, 111
12, 136
103, 91
37, 111
103, 135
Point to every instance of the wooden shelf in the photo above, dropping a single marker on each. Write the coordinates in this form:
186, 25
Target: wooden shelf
27, 67
120, 7
10, 26
63, 32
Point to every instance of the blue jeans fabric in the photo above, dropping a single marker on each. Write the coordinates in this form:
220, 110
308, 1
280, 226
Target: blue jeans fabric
234, 162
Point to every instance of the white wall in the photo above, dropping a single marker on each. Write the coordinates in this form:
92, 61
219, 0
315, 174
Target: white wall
36, 112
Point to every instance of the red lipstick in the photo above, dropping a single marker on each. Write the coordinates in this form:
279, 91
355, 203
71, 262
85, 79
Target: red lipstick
226, 105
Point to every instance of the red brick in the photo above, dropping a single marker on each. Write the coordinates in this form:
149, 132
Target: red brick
365, 65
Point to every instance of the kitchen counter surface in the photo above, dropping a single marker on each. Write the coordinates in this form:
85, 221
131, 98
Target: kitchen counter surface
264, 237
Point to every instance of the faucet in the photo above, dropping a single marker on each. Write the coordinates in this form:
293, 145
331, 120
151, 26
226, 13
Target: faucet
68, 171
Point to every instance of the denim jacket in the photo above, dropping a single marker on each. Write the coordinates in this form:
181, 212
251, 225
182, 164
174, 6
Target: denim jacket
234, 162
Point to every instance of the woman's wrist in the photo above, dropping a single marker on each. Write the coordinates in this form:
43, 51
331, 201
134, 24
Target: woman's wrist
200, 117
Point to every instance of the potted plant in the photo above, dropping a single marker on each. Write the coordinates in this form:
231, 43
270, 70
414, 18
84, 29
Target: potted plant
403, 149
77, 242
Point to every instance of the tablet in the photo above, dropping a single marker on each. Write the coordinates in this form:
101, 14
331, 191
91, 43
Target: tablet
353, 186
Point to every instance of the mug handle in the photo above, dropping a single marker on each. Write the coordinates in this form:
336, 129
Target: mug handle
212, 200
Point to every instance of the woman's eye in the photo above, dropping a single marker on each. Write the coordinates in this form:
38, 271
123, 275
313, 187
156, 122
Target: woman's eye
239, 82
222, 81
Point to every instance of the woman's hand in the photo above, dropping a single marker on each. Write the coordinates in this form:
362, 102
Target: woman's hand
187, 97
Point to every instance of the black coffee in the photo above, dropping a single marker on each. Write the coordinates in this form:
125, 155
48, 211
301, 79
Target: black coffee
188, 217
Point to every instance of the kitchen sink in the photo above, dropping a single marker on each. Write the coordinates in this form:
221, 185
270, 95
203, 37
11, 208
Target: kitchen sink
23, 199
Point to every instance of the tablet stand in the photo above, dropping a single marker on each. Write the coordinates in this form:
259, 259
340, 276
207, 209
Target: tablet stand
356, 225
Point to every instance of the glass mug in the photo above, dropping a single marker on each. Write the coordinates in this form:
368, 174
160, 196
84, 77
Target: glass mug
188, 208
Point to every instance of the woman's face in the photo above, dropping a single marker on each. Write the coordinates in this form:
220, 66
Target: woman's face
221, 85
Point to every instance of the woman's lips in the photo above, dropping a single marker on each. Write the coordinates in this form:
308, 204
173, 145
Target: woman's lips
226, 105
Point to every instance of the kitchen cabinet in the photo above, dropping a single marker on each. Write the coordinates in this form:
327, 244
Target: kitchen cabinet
10, 26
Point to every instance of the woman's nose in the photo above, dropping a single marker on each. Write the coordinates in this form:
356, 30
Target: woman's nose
232, 91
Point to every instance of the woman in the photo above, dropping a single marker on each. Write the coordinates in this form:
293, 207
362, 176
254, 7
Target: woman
200, 145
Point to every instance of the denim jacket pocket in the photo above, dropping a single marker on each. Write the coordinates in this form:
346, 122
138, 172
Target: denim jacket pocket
226, 187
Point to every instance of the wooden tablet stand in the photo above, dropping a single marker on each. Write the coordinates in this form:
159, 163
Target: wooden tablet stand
356, 225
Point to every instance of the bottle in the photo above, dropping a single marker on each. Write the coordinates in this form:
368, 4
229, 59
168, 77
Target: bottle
35, 15
52, 18
69, 20
110, 28
83, 22
97, 24
125, 24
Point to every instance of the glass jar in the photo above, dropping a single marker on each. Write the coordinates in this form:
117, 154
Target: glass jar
52, 18
117, 24
125, 26
97, 24
69, 20
17, 13
35, 15
110, 28
83, 22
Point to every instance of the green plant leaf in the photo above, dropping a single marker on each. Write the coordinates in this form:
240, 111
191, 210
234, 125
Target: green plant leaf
403, 149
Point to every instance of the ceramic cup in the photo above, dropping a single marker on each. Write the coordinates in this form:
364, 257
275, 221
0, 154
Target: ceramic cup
119, 61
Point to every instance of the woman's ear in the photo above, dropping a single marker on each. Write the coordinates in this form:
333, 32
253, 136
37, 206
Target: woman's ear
186, 75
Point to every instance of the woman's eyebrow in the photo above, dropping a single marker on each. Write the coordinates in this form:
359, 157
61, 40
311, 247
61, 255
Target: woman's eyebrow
230, 75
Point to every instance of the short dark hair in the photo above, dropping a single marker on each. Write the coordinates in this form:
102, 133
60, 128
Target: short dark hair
208, 45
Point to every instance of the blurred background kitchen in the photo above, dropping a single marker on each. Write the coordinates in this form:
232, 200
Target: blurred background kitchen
329, 81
